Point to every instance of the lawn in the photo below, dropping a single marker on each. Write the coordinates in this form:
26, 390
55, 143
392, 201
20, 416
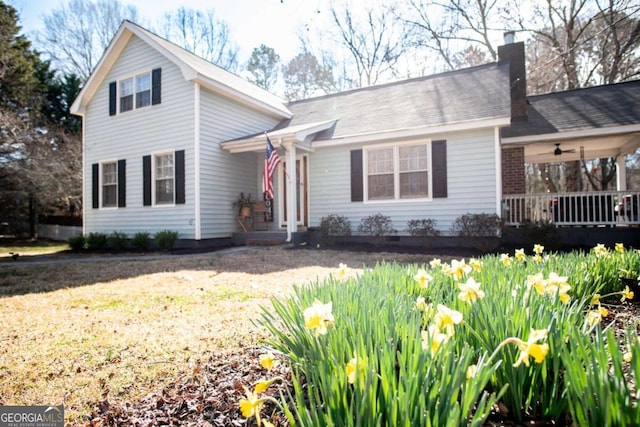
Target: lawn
87, 331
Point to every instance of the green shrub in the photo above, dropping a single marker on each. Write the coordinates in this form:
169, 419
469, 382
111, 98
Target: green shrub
422, 227
541, 232
95, 241
477, 225
141, 240
117, 240
332, 226
376, 226
76, 243
166, 239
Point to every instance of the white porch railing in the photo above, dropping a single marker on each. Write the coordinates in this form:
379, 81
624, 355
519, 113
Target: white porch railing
573, 209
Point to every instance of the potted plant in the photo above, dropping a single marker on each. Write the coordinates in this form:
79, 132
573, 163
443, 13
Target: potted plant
244, 204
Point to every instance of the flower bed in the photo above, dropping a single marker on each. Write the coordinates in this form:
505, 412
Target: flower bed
514, 337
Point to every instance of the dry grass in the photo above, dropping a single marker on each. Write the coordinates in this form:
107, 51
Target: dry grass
76, 332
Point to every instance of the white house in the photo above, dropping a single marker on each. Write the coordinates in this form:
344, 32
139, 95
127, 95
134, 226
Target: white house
170, 140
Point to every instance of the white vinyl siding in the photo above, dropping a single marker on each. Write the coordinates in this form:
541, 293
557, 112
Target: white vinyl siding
471, 184
164, 128
109, 184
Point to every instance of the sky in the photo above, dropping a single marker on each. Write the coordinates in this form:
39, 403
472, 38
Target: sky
251, 22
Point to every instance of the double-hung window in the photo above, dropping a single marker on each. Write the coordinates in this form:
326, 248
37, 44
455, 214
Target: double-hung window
164, 179
135, 91
397, 172
110, 185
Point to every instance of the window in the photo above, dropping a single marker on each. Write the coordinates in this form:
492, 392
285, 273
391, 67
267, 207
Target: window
140, 87
164, 178
397, 172
109, 185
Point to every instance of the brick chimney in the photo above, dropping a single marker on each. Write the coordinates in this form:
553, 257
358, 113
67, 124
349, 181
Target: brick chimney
514, 54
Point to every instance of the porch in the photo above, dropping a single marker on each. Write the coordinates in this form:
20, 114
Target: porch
603, 208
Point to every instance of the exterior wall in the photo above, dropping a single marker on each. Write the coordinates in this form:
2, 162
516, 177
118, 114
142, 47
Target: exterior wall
168, 126
513, 176
223, 175
471, 182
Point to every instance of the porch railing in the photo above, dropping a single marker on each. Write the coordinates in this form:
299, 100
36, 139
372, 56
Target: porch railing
574, 209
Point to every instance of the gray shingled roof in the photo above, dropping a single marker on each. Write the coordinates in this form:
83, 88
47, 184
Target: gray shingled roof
579, 109
471, 94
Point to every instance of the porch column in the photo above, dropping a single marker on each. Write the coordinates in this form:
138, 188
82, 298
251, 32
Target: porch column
292, 193
621, 173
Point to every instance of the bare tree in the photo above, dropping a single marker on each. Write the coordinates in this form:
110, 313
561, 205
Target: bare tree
373, 39
203, 34
77, 33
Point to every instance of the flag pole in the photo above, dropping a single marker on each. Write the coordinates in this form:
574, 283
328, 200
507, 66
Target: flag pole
281, 164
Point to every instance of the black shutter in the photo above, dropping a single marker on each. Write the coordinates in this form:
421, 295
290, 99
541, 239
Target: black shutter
146, 180
439, 164
356, 176
179, 159
112, 99
95, 186
122, 183
156, 86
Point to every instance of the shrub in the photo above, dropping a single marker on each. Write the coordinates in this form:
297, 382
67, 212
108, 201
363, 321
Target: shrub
166, 239
477, 225
376, 226
95, 241
542, 232
76, 243
141, 240
334, 225
117, 240
422, 227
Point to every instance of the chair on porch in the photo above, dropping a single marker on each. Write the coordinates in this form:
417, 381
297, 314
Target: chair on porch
259, 213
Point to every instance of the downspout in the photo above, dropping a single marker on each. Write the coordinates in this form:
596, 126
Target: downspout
498, 157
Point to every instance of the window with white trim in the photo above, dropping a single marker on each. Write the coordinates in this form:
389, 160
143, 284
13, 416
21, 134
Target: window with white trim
397, 172
110, 185
135, 91
164, 178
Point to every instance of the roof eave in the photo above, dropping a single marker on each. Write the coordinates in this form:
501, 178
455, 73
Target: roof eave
559, 136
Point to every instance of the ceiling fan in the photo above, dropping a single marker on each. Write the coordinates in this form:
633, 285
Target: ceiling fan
559, 151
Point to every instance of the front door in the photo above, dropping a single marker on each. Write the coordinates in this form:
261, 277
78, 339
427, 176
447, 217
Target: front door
302, 169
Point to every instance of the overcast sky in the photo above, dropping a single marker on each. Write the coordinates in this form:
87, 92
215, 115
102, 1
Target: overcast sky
251, 22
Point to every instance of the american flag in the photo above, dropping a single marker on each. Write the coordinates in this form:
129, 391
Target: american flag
271, 161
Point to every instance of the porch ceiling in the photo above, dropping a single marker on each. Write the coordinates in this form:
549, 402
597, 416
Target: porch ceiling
592, 147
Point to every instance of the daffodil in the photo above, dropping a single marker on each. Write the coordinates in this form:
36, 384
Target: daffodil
470, 291
600, 250
537, 282
627, 356
318, 317
262, 385
446, 318
505, 259
595, 299
267, 361
472, 370
432, 339
538, 249
520, 255
459, 269
435, 263
343, 270
537, 258
594, 317
355, 367
423, 278
251, 405
531, 348
626, 294
603, 311
421, 304
619, 248
475, 264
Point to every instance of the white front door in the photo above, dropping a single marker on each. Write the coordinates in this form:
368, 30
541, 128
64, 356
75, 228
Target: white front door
302, 203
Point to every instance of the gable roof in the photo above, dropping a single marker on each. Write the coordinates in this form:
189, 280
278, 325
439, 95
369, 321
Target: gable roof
599, 107
192, 67
469, 95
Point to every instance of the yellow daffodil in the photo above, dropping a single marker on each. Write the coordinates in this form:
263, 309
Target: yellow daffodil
251, 405
619, 248
459, 269
595, 299
537, 282
627, 356
472, 370
537, 258
432, 339
343, 270
603, 311
267, 361
594, 317
355, 367
626, 294
423, 278
435, 263
421, 304
318, 317
262, 385
446, 318
600, 250
520, 255
531, 348
475, 264
470, 291
538, 249
505, 259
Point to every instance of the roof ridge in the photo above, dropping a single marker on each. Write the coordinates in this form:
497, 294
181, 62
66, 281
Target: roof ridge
581, 89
